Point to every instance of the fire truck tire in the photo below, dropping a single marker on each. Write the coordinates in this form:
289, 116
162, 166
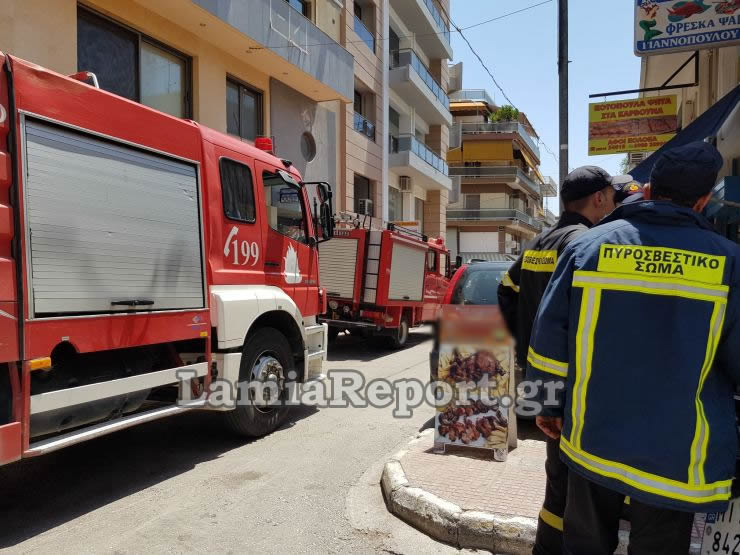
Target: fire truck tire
266, 357
400, 335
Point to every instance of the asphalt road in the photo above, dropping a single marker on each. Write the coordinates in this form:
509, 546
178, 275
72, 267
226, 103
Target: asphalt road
184, 484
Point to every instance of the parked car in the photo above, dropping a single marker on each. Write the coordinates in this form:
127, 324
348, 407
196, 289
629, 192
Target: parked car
471, 284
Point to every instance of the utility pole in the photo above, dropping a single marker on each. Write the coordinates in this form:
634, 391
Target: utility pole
563, 85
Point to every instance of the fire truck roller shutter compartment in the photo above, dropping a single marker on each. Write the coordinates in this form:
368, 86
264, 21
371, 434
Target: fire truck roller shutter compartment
112, 228
407, 273
337, 267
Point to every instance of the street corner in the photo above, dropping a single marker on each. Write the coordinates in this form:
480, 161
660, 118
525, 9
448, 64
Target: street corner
465, 500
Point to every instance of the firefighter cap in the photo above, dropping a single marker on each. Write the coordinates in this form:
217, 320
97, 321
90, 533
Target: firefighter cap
588, 180
686, 172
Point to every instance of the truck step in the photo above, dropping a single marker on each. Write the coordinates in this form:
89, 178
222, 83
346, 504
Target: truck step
44, 402
315, 354
59, 442
310, 330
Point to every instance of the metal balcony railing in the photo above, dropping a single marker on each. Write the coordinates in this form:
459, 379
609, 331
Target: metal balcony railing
513, 127
505, 174
483, 214
365, 34
442, 25
472, 95
407, 57
364, 126
409, 143
549, 188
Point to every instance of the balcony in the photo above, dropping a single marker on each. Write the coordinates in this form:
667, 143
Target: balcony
549, 188
492, 214
364, 126
414, 82
510, 175
365, 34
415, 159
505, 127
273, 36
472, 95
426, 21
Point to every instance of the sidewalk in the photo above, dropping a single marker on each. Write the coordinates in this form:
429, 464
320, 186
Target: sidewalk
474, 502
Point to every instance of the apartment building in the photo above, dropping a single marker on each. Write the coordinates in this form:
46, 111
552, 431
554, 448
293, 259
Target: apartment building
497, 203
250, 68
398, 124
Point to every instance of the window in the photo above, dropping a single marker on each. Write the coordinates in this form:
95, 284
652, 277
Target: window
419, 211
364, 105
358, 102
133, 65
284, 208
394, 43
301, 6
237, 191
472, 202
395, 205
444, 264
431, 261
243, 110
363, 194
394, 125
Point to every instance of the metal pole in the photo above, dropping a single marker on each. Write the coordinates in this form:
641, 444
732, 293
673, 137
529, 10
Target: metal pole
563, 85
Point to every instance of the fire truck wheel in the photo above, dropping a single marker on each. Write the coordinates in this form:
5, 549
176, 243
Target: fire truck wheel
401, 335
267, 360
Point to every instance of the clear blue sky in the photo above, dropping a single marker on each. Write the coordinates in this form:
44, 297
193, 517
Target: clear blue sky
521, 52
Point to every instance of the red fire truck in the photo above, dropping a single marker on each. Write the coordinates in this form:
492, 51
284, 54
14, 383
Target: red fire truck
383, 282
137, 248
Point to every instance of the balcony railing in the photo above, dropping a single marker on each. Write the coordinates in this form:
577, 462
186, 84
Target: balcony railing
442, 25
513, 127
549, 188
472, 95
408, 57
483, 214
364, 126
364, 33
412, 144
506, 174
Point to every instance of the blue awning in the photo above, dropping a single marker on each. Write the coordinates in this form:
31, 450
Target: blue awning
706, 125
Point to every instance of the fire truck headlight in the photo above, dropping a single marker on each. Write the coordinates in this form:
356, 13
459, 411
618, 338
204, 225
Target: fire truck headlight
333, 305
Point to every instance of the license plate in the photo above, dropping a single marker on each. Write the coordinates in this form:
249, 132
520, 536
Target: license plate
722, 531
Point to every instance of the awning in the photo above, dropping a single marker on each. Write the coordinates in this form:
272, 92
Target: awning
706, 125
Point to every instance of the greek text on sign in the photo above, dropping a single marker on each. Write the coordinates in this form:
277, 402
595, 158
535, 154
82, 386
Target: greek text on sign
662, 262
669, 25
638, 124
540, 261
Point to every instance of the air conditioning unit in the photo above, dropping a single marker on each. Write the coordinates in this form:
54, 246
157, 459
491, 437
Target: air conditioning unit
365, 207
404, 183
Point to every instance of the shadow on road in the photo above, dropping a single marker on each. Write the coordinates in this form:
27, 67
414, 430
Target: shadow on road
357, 348
39, 494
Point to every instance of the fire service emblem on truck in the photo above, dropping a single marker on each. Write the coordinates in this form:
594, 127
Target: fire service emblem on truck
292, 271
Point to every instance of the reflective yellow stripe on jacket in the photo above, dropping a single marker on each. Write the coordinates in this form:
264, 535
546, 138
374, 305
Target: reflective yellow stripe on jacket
548, 365
508, 282
652, 483
595, 282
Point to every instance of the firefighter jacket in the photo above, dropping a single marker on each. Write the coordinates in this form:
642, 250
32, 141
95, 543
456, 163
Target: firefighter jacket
642, 322
521, 289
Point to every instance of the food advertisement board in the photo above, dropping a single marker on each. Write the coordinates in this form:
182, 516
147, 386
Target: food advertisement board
685, 25
476, 364
635, 125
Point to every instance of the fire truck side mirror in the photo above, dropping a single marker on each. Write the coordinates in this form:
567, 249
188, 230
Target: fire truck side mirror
326, 213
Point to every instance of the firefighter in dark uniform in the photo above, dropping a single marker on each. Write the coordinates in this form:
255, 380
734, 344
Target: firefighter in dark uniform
654, 421
588, 193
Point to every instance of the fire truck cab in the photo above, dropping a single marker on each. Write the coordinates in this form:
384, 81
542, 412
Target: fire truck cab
145, 260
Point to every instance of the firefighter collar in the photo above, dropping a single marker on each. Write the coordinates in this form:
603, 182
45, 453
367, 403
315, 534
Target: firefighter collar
658, 212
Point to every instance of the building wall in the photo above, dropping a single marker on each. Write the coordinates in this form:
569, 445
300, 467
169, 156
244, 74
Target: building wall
294, 114
362, 155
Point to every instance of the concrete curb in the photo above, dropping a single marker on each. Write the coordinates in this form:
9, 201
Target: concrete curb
448, 523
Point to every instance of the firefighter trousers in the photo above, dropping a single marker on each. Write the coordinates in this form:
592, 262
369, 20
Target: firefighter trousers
591, 523
549, 539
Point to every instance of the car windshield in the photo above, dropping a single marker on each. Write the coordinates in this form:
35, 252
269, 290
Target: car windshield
478, 286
